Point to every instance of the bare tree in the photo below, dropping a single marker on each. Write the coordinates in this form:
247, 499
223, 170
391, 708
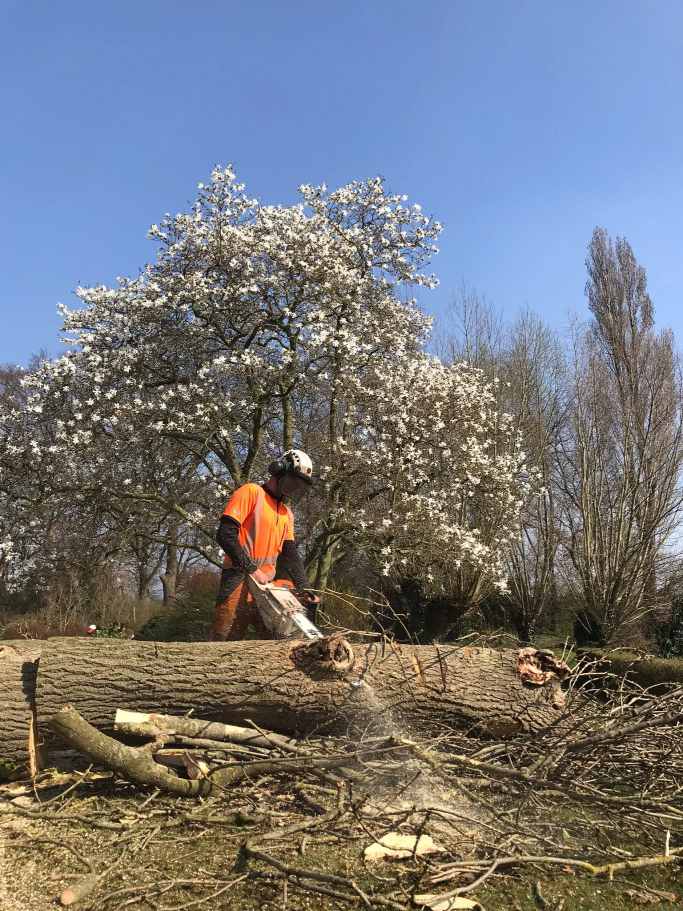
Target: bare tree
620, 463
472, 331
527, 362
534, 391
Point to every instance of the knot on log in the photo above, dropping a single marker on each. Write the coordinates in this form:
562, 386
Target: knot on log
540, 667
324, 657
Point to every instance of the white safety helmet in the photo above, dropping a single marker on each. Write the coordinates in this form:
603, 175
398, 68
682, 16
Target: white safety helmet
295, 462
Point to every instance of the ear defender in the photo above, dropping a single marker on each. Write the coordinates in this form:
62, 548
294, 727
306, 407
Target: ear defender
276, 468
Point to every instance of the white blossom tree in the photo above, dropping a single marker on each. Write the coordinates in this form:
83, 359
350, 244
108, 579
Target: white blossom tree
259, 327
432, 477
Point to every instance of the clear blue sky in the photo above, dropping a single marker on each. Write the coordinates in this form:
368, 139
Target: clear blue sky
520, 125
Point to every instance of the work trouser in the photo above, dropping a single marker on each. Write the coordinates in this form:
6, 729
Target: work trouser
236, 609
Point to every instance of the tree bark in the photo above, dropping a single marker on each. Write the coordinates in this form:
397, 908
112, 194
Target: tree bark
291, 687
169, 579
18, 667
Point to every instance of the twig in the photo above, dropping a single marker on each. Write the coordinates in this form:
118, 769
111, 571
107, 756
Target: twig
608, 870
344, 883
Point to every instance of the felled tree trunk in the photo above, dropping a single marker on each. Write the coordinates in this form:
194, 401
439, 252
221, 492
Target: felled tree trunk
300, 687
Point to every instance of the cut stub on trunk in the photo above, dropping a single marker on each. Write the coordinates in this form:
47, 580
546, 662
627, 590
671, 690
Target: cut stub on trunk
540, 667
322, 658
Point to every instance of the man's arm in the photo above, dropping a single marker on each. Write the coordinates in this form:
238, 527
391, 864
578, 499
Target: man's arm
228, 538
290, 561
293, 565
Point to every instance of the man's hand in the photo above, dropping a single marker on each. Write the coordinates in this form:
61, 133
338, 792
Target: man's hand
261, 577
311, 603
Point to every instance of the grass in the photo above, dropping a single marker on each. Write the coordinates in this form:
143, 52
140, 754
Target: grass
579, 892
217, 853
38, 870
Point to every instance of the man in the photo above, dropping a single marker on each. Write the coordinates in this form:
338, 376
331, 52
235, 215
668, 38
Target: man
256, 532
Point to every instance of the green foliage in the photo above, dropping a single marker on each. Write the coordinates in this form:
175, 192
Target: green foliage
114, 631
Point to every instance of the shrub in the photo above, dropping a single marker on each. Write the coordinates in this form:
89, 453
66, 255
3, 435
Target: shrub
645, 670
66, 607
669, 636
187, 620
40, 624
115, 631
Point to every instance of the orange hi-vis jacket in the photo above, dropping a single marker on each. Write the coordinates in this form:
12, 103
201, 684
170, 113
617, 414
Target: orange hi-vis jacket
265, 524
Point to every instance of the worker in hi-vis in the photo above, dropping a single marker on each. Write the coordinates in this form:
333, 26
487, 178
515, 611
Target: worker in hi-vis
257, 528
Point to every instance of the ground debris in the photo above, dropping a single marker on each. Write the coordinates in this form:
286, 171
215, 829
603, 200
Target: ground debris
594, 800
394, 846
650, 896
439, 903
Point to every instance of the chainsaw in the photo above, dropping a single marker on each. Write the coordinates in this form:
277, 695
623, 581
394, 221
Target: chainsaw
281, 611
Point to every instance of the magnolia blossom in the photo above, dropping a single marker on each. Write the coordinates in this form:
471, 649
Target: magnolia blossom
441, 470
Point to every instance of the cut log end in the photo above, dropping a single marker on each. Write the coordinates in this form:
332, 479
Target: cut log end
19, 751
35, 757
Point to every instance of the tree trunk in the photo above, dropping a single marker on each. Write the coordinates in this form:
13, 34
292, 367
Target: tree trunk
444, 616
291, 687
169, 579
144, 580
324, 557
324, 566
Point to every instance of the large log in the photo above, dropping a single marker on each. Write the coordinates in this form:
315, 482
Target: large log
299, 687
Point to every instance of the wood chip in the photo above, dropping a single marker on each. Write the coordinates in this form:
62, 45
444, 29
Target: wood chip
394, 846
445, 902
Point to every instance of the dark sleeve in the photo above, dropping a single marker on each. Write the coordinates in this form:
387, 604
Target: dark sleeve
227, 537
291, 563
